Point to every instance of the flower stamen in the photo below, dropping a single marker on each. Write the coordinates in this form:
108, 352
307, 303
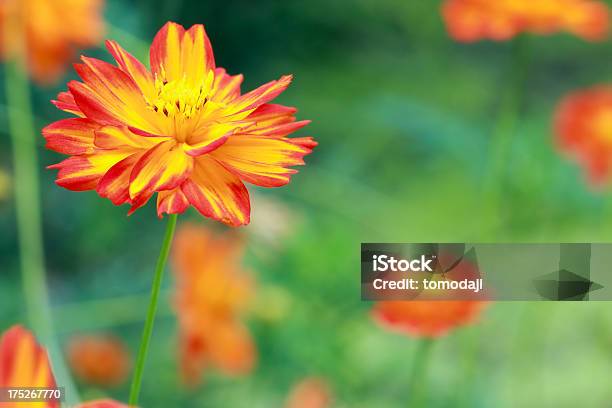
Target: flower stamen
180, 98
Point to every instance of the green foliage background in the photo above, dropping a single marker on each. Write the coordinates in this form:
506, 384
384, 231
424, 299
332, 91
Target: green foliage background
404, 118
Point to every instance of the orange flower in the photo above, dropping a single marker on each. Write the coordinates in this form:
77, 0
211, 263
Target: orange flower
500, 20
24, 363
106, 403
182, 130
212, 291
427, 318
100, 360
310, 393
53, 30
583, 128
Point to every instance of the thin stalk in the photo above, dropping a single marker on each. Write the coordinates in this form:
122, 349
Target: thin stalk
150, 319
28, 216
418, 376
506, 123
468, 373
27, 201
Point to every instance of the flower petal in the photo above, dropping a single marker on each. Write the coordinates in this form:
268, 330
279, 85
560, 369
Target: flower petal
165, 51
210, 139
273, 120
24, 363
65, 101
276, 130
80, 173
263, 160
177, 54
272, 113
197, 57
88, 103
225, 87
163, 167
133, 68
171, 202
70, 136
217, 193
139, 202
261, 95
110, 96
115, 184
120, 137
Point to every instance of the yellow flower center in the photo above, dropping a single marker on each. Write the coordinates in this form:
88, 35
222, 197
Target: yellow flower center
184, 103
180, 98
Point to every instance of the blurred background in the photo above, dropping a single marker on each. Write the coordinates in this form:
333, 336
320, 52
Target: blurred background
404, 117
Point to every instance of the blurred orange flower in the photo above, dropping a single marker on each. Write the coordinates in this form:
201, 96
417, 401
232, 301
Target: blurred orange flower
427, 318
500, 20
310, 393
583, 129
182, 130
106, 403
24, 363
53, 30
99, 360
212, 291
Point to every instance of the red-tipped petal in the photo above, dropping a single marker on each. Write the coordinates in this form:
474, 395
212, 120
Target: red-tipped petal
212, 139
121, 137
80, 173
115, 184
70, 136
263, 160
110, 96
171, 202
65, 101
217, 193
261, 95
176, 53
163, 167
273, 113
139, 201
225, 87
133, 67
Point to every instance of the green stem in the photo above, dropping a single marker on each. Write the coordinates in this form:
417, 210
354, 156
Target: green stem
505, 126
418, 376
28, 213
148, 327
27, 203
468, 374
